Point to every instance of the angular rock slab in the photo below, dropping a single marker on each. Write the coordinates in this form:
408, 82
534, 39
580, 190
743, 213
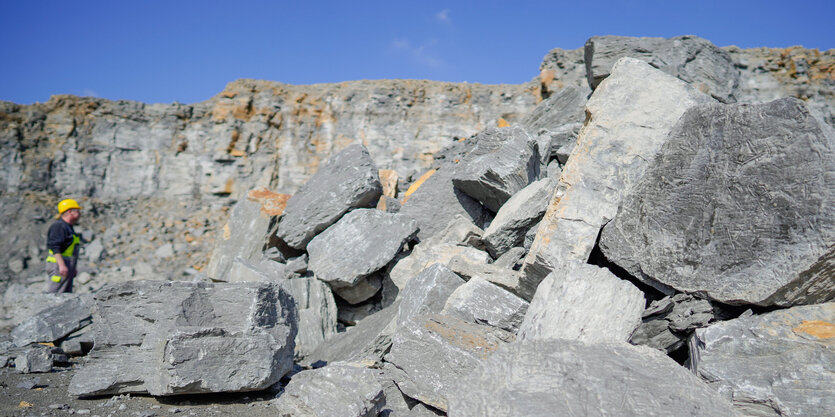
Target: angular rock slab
667, 323
32, 359
566, 106
336, 390
504, 161
429, 252
688, 58
588, 303
167, 337
571, 378
779, 363
502, 276
737, 208
55, 322
481, 302
630, 115
513, 220
317, 313
427, 292
347, 180
436, 352
359, 244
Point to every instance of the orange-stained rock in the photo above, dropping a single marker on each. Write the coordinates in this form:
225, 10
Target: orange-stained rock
414, 187
388, 178
272, 204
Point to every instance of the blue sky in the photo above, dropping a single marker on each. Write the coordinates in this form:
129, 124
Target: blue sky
187, 51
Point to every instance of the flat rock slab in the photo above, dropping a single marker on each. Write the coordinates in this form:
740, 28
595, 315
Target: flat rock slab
513, 220
479, 301
571, 378
588, 303
336, 390
504, 161
436, 352
317, 313
779, 363
359, 244
427, 292
167, 338
347, 180
54, 322
502, 276
429, 252
737, 207
688, 58
630, 116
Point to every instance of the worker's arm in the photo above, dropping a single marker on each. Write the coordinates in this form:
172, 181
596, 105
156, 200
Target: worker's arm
62, 266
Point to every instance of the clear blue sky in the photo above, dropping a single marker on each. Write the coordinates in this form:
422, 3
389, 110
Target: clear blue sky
187, 51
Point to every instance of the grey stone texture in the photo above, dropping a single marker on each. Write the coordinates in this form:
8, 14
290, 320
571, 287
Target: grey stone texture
504, 161
436, 352
737, 207
370, 339
362, 290
34, 359
564, 107
629, 117
587, 303
571, 378
688, 58
667, 323
504, 277
167, 338
359, 244
427, 292
513, 220
512, 258
53, 323
346, 181
481, 302
243, 235
316, 310
429, 252
336, 390
775, 364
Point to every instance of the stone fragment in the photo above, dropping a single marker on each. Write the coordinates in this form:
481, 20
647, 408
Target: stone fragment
364, 289
481, 302
503, 162
588, 303
523, 210
554, 171
317, 313
688, 58
54, 323
496, 274
562, 108
346, 181
667, 323
168, 338
267, 270
461, 231
740, 199
34, 358
436, 352
79, 342
511, 259
370, 339
779, 363
388, 180
531, 235
351, 315
388, 204
436, 203
571, 378
427, 292
336, 390
629, 117
430, 252
298, 264
29, 384
243, 236
359, 244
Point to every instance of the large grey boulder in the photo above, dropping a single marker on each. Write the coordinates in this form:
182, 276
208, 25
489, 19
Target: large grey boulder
359, 244
504, 161
629, 117
430, 252
336, 390
436, 352
513, 220
34, 358
688, 58
776, 364
737, 208
317, 313
166, 338
571, 378
587, 303
54, 322
370, 339
667, 323
427, 292
346, 181
481, 302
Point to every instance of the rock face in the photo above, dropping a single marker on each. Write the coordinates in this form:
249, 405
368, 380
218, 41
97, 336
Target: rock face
348, 180
167, 338
517, 216
54, 323
583, 380
481, 302
588, 303
630, 115
737, 192
436, 352
503, 162
359, 244
337, 390
688, 58
780, 363
427, 293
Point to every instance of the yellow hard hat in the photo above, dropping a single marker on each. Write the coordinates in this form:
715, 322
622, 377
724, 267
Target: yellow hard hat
67, 204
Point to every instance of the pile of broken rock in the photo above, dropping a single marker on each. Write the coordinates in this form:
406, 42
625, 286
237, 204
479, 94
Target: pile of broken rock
673, 258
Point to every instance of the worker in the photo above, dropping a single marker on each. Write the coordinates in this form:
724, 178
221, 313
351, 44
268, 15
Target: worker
62, 243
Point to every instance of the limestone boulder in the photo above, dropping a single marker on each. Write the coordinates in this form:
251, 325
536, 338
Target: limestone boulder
431, 252
53, 323
736, 207
513, 220
346, 181
34, 359
503, 276
336, 390
481, 302
317, 313
427, 293
169, 337
370, 339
